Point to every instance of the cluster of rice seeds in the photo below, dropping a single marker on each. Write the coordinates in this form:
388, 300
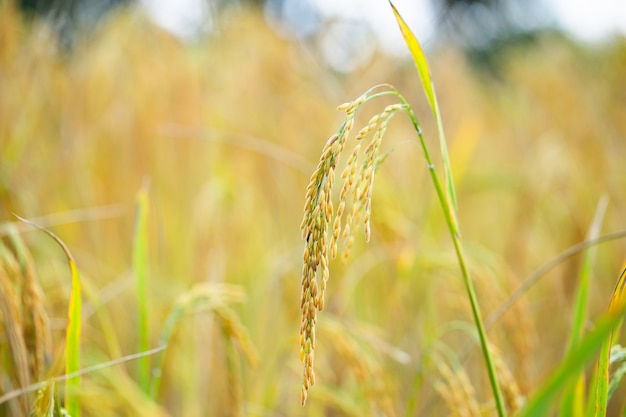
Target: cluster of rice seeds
359, 181
319, 210
457, 392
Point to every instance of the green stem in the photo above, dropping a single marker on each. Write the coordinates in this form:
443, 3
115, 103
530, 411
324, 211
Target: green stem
456, 240
140, 270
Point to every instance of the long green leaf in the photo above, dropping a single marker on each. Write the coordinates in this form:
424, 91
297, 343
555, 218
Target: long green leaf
429, 88
140, 270
573, 404
73, 330
574, 363
580, 309
600, 396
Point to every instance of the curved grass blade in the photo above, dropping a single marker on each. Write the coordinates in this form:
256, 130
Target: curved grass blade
72, 333
7, 396
424, 72
140, 270
544, 269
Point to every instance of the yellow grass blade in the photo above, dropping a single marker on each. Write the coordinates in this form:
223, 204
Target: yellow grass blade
72, 332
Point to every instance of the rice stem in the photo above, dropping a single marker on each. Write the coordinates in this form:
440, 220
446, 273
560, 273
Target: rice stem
453, 227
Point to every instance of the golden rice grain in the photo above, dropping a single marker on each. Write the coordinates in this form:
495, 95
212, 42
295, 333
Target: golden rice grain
319, 211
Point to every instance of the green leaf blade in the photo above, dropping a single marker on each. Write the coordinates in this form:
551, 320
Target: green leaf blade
140, 271
429, 89
573, 403
574, 363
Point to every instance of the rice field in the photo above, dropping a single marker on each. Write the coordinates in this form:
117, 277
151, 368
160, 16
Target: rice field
173, 177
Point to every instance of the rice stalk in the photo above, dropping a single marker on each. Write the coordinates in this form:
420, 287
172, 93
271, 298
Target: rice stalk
447, 199
36, 327
233, 331
11, 324
319, 211
210, 297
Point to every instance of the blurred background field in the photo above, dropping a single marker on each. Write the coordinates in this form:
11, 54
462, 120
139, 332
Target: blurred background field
227, 128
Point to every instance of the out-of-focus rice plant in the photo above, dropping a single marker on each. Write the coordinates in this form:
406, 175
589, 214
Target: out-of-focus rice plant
228, 129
